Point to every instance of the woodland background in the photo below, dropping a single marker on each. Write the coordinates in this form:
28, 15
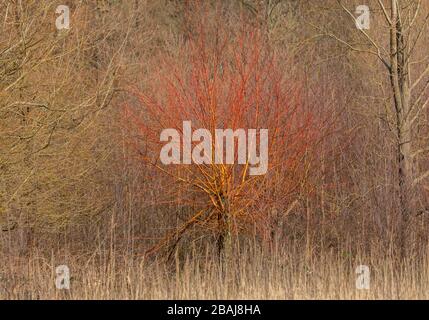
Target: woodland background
80, 110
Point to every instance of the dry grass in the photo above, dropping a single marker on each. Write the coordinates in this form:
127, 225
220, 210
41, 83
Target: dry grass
251, 275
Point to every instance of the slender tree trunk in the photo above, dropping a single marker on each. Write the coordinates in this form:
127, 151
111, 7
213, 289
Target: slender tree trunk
399, 78
224, 242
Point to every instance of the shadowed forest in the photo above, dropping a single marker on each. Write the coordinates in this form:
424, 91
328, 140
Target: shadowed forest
343, 94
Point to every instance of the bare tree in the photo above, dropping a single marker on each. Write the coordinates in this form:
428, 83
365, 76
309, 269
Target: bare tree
407, 72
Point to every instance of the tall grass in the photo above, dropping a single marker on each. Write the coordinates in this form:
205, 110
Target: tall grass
252, 273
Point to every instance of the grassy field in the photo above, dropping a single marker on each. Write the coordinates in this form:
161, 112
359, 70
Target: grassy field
253, 274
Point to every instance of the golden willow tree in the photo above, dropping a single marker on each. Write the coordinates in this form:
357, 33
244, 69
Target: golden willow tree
223, 79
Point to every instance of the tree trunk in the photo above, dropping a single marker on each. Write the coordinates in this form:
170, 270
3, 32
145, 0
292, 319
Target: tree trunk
399, 78
224, 242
